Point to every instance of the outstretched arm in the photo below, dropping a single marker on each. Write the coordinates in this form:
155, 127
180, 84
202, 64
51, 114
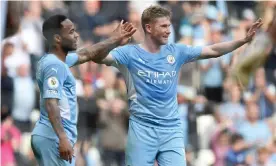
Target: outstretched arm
99, 51
217, 50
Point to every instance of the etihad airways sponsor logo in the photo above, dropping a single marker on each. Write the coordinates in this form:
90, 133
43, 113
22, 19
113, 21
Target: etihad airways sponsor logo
154, 77
154, 74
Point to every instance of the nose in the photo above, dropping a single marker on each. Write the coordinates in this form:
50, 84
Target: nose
76, 36
168, 31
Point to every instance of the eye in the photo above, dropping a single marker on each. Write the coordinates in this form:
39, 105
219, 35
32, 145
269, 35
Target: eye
72, 31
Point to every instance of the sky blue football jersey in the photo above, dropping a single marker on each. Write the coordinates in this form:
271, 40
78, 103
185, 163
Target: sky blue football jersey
151, 80
55, 80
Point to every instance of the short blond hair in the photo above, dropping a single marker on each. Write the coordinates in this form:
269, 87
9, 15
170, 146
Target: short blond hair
153, 12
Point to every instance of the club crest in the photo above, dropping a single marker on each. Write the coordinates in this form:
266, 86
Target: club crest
171, 59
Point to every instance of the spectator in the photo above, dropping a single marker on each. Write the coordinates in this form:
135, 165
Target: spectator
253, 125
213, 68
263, 157
190, 157
135, 18
183, 104
211, 14
254, 56
24, 98
113, 120
221, 122
6, 81
90, 20
237, 153
31, 27
88, 113
220, 145
198, 29
233, 109
185, 29
176, 7
120, 85
273, 151
51, 8
262, 93
10, 139
18, 55
270, 68
93, 156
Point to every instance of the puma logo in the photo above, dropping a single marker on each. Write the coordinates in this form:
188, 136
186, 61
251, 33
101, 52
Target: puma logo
55, 69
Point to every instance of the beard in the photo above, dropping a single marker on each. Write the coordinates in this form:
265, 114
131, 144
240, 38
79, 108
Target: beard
68, 49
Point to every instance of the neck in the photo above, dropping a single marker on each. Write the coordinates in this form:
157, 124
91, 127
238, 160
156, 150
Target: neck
235, 101
61, 54
252, 121
150, 45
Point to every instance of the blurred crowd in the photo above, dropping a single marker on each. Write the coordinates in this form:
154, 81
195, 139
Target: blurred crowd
223, 125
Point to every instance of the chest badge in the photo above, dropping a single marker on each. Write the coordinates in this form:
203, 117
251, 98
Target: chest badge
170, 59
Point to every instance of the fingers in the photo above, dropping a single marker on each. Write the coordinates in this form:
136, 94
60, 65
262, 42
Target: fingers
70, 155
255, 26
130, 27
132, 31
67, 155
64, 155
258, 23
259, 20
122, 23
127, 27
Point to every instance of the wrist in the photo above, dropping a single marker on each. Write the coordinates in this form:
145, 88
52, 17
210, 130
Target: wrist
116, 39
244, 40
62, 136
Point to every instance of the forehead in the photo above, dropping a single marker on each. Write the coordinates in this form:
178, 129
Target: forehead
67, 25
162, 20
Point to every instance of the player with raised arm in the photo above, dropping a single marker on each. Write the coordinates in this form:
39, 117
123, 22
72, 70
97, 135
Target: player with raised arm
151, 72
55, 133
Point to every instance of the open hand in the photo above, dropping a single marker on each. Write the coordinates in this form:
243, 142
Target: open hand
252, 31
124, 31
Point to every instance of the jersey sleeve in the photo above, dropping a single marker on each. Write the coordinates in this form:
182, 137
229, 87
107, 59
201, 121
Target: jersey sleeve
188, 53
121, 55
54, 76
71, 59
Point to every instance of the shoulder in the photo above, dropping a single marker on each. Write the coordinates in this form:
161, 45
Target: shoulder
51, 61
171, 47
126, 47
71, 59
178, 47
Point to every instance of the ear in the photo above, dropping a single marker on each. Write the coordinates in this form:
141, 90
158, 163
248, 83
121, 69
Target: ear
148, 28
57, 38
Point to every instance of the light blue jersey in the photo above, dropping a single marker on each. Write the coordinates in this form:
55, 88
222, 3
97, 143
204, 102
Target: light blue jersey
155, 131
152, 79
55, 80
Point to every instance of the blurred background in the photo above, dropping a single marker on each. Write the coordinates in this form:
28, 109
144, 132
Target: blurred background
222, 125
